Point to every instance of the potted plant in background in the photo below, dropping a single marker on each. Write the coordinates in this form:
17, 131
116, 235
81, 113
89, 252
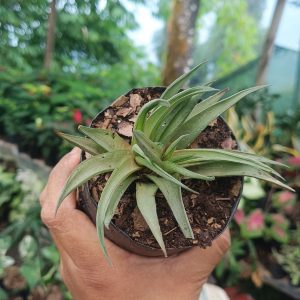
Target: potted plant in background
289, 258
161, 171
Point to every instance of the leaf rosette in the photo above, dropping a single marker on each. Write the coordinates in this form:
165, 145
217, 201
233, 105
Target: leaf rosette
159, 156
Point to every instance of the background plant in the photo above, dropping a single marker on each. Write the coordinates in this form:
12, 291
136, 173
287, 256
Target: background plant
33, 106
26, 247
263, 221
289, 257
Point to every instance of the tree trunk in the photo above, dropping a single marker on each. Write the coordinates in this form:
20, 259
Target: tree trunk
181, 31
50, 36
296, 100
269, 42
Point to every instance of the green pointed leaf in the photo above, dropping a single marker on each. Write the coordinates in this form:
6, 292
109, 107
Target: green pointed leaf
120, 190
258, 157
195, 125
176, 85
99, 164
159, 114
198, 156
163, 115
176, 119
236, 153
210, 83
139, 124
105, 138
151, 150
225, 169
170, 150
172, 193
195, 162
173, 168
159, 171
145, 199
83, 143
126, 168
137, 150
203, 105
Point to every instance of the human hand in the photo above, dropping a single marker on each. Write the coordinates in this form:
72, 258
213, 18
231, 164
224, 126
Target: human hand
87, 274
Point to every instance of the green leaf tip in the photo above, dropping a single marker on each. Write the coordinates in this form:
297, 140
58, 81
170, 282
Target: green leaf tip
96, 165
195, 125
105, 138
85, 144
176, 85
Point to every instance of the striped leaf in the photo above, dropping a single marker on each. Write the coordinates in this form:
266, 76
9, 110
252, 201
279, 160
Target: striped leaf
195, 125
110, 194
83, 143
139, 124
145, 199
171, 148
105, 138
192, 157
120, 190
96, 165
176, 85
163, 115
159, 171
151, 150
225, 169
175, 120
172, 193
203, 105
174, 168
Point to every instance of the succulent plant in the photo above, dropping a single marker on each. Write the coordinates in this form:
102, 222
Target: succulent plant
158, 155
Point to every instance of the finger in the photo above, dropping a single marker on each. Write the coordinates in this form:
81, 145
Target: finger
72, 230
212, 255
56, 182
203, 259
76, 236
60, 173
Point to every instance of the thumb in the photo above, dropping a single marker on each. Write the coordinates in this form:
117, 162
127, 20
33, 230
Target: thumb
205, 260
56, 182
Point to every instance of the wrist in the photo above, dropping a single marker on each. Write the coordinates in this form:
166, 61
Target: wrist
149, 294
146, 294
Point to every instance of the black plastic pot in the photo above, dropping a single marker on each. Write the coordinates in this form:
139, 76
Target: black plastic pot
87, 204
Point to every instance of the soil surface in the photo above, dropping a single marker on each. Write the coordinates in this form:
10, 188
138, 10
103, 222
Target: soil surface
208, 212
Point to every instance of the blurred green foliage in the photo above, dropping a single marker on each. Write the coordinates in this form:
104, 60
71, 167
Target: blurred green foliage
254, 232
26, 247
233, 39
94, 62
289, 257
34, 105
88, 36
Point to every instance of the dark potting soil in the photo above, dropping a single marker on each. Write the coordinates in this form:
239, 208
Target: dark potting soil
208, 212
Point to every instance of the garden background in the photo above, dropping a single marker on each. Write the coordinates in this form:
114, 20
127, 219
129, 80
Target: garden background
62, 61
